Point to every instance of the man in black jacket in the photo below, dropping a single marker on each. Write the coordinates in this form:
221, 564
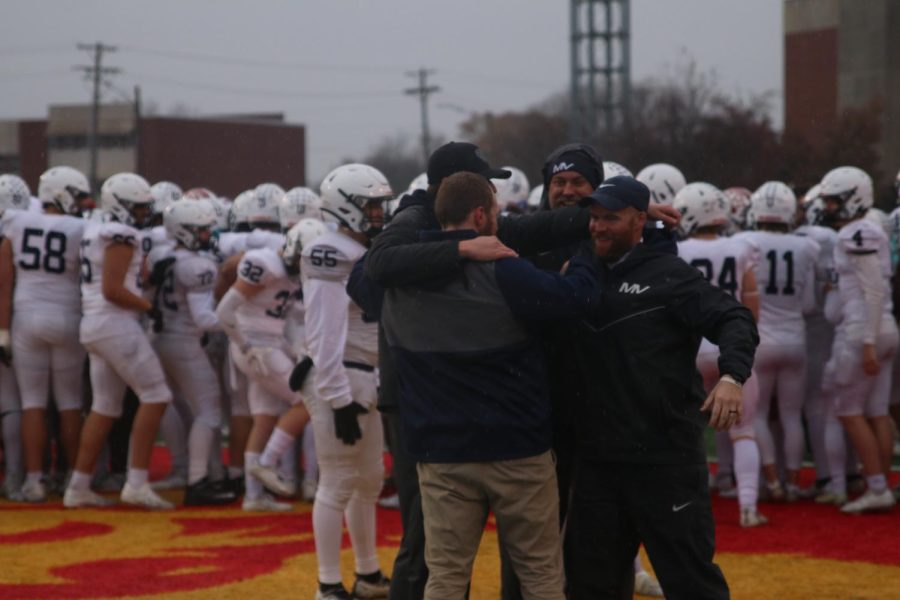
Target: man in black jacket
641, 473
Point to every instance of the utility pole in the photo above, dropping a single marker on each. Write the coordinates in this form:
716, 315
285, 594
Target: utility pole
96, 72
423, 91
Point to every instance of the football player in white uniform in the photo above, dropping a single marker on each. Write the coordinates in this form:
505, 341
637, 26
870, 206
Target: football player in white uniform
785, 276
344, 349
729, 264
253, 314
15, 195
44, 251
119, 351
863, 359
819, 335
184, 280
663, 180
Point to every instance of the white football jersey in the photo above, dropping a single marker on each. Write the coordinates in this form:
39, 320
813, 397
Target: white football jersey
155, 237
723, 262
785, 278
336, 331
264, 314
191, 278
826, 276
861, 238
46, 256
97, 310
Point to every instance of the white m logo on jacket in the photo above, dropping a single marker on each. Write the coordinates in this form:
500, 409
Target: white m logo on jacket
633, 288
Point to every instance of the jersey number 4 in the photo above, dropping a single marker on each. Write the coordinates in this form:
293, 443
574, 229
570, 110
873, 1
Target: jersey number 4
53, 259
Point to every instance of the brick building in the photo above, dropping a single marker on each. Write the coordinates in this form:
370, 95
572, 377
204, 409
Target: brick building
227, 154
843, 54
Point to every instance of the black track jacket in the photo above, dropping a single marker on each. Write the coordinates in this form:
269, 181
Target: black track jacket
638, 353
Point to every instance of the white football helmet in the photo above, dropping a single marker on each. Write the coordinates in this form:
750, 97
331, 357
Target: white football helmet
14, 193
664, 182
122, 193
534, 198
199, 193
64, 187
223, 210
296, 204
614, 169
185, 221
738, 199
164, 193
852, 188
815, 211
701, 205
298, 237
419, 183
271, 191
512, 192
347, 190
239, 213
773, 202
263, 210
811, 194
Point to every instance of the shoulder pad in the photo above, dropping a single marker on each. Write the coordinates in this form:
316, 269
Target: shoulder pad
118, 233
861, 237
260, 266
260, 238
195, 272
324, 260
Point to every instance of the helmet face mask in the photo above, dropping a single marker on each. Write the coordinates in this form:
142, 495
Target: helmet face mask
65, 188
353, 196
126, 198
191, 223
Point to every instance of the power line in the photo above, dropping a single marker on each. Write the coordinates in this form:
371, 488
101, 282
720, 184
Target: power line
423, 90
253, 62
253, 91
97, 72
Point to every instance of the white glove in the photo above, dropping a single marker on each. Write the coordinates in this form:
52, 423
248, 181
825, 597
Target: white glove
256, 359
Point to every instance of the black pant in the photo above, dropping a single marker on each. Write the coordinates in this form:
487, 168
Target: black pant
616, 507
410, 572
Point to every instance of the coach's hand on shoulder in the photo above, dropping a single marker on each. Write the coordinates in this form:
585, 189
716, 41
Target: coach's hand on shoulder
724, 403
666, 213
485, 248
5, 347
346, 424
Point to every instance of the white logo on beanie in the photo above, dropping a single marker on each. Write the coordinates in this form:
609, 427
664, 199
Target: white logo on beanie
563, 166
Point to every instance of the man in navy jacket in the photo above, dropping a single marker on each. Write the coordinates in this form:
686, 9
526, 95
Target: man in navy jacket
474, 399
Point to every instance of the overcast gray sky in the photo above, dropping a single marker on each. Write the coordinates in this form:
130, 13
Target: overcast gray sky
338, 66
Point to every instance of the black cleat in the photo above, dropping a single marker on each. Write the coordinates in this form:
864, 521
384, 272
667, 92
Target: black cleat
209, 493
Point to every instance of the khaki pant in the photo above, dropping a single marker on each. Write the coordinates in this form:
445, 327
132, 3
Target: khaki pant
456, 499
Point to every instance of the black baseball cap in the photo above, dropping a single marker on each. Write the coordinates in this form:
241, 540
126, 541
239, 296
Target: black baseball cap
621, 192
454, 157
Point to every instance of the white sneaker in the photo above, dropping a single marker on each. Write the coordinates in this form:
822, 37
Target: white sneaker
870, 501
82, 498
829, 497
34, 492
646, 585
265, 503
750, 517
144, 497
174, 481
273, 480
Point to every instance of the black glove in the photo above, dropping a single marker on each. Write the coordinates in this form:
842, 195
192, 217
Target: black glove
346, 424
298, 375
157, 318
5, 357
158, 274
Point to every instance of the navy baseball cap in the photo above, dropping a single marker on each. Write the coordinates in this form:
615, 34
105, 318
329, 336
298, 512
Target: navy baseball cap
454, 157
621, 192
